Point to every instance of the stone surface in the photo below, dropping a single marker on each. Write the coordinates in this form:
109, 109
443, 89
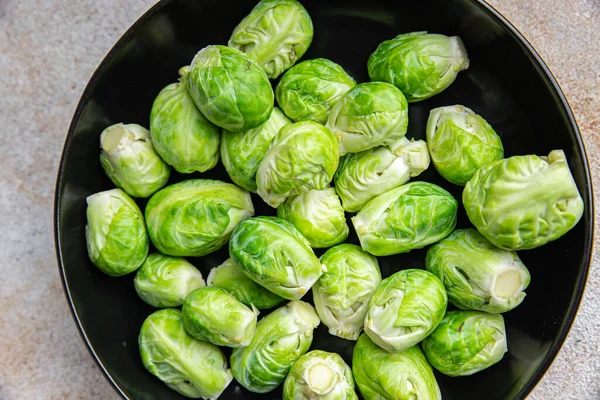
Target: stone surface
48, 51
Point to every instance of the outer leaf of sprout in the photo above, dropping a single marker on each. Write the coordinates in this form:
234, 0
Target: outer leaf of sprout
280, 339
318, 215
342, 293
191, 367
466, 342
272, 252
382, 375
421, 65
406, 218
369, 115
365, 175
275, 34
165, 281
228, 276
461, 142
130, 161
116, 237
196, 217
478, 275
523, 202
406, 307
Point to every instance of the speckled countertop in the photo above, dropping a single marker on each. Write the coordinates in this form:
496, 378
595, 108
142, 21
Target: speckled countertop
48, 51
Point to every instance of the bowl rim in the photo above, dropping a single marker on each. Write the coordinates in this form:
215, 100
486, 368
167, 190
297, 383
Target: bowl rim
580, 284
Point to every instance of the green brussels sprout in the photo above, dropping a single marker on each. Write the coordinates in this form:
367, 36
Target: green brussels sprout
478, 275
406, 307
406, 218
191, 367
196, 217
275, 34
308, 90
303, 156
230, 89
115, 233
365, 175
342, 293
130, 161
213, 315
318, 215
280, 339
229, 277
421, 65
523, 202
369, 115
181, 135
275, 255
392, 376
242, 152
164, 281
466, 342
319, 375
461, 142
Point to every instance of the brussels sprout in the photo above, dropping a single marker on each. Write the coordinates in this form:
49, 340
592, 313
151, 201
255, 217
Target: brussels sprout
392, 376
275, 255
478, 275
275, 34
230, 89
191, 367
303, 156
213, 315
406, 307
280, 339
308, 90
466, 342
318, 215
181, 135
523, 202
365, 175
165, 281
130, 161
342, 293
229, 277
196, 217
421, 65
241, 152
369, 115
115, 233
319, 375
460, 142
406, 218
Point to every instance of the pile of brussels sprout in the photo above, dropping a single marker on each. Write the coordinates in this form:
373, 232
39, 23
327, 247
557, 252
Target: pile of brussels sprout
332, 147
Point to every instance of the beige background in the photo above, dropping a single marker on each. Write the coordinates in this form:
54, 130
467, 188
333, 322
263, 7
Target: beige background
48, 51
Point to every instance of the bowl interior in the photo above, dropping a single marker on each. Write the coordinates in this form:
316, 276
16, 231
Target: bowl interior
505, 83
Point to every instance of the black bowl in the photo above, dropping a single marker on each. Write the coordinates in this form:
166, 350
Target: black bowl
507, 83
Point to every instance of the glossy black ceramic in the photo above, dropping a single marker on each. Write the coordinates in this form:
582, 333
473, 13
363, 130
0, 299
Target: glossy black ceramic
507, 83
